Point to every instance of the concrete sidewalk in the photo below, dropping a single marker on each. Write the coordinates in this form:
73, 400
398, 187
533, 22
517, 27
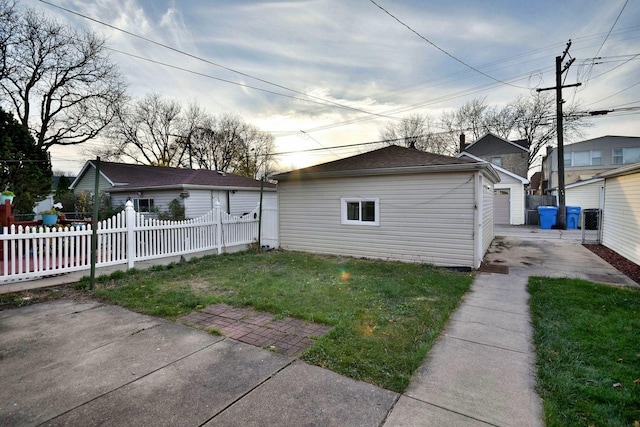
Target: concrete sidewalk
481, 371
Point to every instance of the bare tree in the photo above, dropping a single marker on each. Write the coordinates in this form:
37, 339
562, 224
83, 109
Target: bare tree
529, 118
59, 82
468, 119
149, 132
255, 157
157, 131
8, 18
416, 131
534, 119
215, 142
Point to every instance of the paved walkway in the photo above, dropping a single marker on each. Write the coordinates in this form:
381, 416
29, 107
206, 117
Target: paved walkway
481, 371
288, 336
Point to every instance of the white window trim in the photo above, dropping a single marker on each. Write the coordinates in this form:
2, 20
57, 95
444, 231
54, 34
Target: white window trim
343, 210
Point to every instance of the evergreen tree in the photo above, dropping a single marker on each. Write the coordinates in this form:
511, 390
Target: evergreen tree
25, 169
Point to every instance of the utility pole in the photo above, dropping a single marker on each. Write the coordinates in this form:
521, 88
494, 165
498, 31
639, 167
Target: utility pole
561, 221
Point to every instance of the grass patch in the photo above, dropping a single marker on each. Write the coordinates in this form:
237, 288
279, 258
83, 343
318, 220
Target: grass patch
587, 339
385, 315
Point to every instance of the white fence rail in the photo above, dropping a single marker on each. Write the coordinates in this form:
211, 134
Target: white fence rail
128, 237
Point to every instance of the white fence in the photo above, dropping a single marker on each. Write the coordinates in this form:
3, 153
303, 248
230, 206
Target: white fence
33, 252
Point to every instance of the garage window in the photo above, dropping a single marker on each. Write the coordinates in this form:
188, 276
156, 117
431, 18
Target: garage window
360, 211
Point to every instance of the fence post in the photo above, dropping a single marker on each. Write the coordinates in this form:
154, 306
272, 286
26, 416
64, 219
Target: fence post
130, 222
218, 222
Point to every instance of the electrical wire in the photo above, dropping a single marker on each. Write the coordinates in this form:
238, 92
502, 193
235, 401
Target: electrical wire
442, 50
210, 63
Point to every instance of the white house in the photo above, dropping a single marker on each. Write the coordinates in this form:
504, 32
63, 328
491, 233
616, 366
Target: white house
394, 203
621, 213
154, 187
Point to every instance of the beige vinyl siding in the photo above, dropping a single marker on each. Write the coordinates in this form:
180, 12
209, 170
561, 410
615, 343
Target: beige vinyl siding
201, 202
586, 196
88, 184
621, 216
425, 218
243, 202
487, 219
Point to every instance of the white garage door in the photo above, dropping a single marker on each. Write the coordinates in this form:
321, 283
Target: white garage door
501, 206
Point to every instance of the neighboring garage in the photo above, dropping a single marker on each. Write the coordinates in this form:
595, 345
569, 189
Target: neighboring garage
621, 213
394, 203
509, 194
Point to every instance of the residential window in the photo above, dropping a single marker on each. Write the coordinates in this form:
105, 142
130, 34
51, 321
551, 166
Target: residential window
496, 161
143, 205
623, 156
584, 158
360, 211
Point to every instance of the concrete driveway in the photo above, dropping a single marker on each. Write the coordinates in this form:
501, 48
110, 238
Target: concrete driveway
79, 363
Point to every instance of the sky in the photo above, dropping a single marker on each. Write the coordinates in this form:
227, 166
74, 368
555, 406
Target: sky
324, 74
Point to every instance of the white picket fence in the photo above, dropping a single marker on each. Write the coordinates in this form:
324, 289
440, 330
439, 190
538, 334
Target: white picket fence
128, 237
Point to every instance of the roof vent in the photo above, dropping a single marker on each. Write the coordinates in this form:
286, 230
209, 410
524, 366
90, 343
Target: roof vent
221, 173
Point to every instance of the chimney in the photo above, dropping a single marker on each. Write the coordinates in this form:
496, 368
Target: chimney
463, 145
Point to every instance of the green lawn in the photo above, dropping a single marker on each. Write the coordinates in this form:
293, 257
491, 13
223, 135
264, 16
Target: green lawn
385, 315
587, 339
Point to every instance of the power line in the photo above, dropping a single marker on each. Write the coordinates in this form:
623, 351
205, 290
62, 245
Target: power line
605, 40
614, 24
325, 101
441, 49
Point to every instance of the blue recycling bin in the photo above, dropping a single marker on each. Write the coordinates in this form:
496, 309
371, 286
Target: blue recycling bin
548, 216
573, 216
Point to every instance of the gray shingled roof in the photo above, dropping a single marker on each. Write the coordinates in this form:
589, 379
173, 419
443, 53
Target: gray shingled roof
125, 175
390, 157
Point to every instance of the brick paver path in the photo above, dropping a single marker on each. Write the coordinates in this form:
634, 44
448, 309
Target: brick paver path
288, 336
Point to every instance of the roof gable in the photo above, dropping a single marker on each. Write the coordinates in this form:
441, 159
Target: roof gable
392, 158
125, 175
491, 144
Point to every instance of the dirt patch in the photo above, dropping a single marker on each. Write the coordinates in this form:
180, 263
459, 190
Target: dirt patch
622, 264
36, 296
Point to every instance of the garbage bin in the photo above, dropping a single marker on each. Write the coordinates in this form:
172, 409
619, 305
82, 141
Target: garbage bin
591, 219
548, 216
573, 217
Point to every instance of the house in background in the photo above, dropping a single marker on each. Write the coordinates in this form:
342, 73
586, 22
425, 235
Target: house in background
154, 187
583, 160
394, 203
510, 160
621, 213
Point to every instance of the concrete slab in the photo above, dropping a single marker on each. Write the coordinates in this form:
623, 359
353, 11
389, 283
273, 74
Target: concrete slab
304, 395
481, 328
410, 412
188, 392
554, 258
486, 383
83, 369
53, 332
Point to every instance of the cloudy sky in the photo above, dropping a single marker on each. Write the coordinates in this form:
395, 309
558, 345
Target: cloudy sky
327, 73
